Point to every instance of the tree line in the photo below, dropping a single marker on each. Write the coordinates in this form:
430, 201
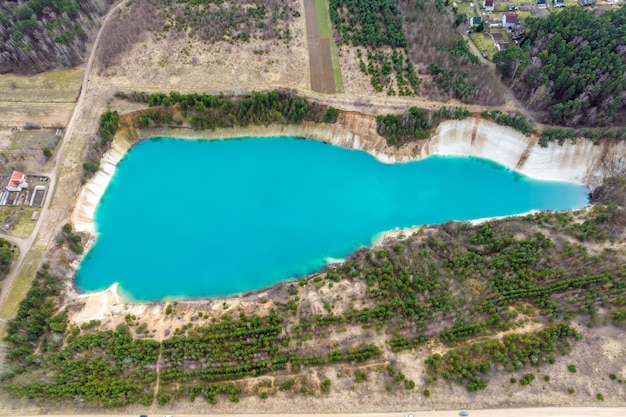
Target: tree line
571, 67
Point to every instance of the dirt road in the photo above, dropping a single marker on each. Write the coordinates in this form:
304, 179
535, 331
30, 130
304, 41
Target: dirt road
26, 244
502, 412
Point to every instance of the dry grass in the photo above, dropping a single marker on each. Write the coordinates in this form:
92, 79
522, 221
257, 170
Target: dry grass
48, 87
22, 283
24, 226
46, 99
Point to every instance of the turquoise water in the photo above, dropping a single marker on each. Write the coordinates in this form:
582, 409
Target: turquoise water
184, 218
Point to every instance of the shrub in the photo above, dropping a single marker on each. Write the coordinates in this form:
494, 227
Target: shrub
426, 393
600, 397
571, 368
331, 115
287, 385
90, 168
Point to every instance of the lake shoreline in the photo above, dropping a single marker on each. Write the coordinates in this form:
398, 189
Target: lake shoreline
82, 217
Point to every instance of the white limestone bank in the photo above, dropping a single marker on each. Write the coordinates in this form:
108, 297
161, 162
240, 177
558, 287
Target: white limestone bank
580, 161
83, 215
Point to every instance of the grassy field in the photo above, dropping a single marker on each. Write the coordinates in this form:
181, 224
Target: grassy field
325, 30
45, 99
483, 43
21, 285
48, 87
24, 226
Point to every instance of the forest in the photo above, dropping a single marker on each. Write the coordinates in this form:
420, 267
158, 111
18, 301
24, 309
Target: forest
6, 256
571, 68
204, 111
40, 35
456, 285
430, 29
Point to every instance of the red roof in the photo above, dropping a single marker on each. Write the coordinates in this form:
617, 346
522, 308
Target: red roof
17, 178
488, 3
510, 17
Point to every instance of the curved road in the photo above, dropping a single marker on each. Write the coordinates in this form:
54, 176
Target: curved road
26, 244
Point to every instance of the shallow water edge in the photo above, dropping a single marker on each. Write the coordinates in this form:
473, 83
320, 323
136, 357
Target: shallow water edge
574, 162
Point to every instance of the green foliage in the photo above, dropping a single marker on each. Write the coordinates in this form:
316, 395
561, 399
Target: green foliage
368, 23
560, 135
415, 124
426, 393
453, 80
90, 168
516, 121
578, 66
45, 34
516, 351
331, 115
459, 48
34, 318
571, 368
204, 111
511, 62
360, 376
47, 153
600, 397
325, 385
527, 379
6, 256
287, 385
213, 21
109, 122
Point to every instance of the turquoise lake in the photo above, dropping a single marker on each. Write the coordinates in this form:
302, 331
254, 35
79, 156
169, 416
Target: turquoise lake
199, 218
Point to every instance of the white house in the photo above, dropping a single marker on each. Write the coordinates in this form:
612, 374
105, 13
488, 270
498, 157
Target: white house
509, 20
17, 182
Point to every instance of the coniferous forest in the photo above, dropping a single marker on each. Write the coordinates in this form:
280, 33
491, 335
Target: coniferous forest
571, 68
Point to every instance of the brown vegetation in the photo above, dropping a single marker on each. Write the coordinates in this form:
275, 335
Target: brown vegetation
37, 36
430, 35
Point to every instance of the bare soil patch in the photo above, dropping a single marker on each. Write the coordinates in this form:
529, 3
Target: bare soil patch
320, 63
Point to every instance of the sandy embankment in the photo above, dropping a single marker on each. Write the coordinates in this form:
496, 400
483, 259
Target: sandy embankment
581, 162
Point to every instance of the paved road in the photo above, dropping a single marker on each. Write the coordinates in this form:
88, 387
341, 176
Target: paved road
26, 244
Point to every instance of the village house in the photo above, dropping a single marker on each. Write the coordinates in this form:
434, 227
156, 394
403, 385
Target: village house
17, 182
509, 20
542, 4
559, 3
488, 5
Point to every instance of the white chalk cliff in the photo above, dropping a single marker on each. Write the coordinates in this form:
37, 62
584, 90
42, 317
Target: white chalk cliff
579, 161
